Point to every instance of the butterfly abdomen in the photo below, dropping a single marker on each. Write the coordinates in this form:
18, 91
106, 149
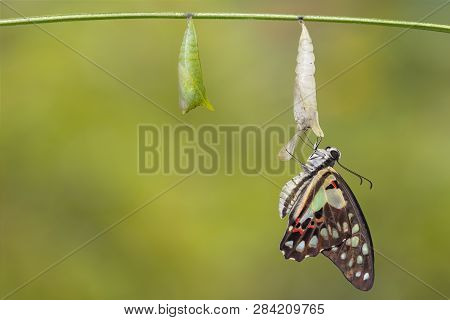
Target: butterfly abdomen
292, 191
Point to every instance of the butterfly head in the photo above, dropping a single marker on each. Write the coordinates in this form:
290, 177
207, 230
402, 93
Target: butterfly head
333, 153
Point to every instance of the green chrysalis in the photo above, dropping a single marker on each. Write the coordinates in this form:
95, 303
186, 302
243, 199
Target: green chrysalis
192, 89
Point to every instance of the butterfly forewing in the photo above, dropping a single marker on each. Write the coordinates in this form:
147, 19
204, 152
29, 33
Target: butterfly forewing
355, 256
327, 218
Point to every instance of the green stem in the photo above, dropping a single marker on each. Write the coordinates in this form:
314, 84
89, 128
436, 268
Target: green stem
235, 16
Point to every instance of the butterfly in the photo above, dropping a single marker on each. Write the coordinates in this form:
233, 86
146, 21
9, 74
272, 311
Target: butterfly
325, 217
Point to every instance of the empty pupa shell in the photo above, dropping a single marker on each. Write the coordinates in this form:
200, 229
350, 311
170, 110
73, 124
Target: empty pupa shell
305, 102
191, 88
288, 150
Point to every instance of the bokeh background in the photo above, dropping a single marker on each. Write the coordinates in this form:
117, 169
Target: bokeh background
68, 166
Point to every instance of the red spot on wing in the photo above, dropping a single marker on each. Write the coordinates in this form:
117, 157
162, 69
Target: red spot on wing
299, 230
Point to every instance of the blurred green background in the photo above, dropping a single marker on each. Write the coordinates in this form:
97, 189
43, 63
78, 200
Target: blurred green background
68, 141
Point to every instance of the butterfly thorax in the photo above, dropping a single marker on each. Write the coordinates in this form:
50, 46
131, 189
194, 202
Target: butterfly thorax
321, 158
294, 188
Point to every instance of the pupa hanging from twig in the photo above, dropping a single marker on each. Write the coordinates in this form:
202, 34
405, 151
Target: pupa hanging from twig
305, 103
191, 86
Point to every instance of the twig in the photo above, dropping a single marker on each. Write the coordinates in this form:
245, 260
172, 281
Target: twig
222, 16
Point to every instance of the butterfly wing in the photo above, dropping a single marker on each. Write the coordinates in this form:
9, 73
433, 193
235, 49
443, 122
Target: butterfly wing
327, 218
318, 220
354, 257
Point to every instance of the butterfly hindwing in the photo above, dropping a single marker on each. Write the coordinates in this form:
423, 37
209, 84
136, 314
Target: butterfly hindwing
327, 218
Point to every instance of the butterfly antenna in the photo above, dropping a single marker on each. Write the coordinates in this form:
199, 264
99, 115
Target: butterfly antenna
318, 141
312, 144
301, 163
306, 142
356, 174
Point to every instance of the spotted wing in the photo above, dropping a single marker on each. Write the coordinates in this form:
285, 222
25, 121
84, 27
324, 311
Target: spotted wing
318, 220
324, 219
354, 257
